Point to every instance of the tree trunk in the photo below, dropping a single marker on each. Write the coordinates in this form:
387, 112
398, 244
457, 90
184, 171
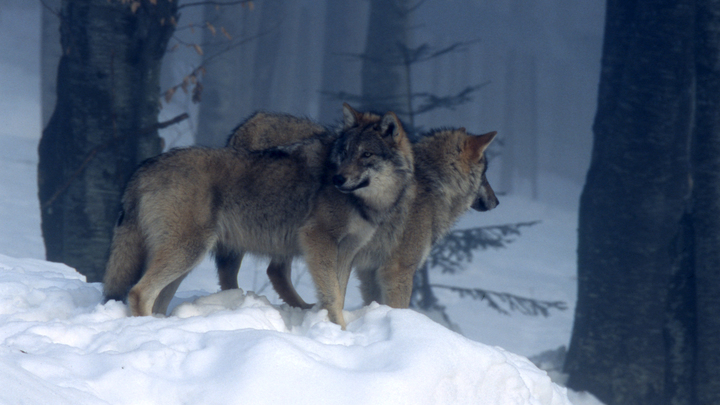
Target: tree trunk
267, 52
509, 160
344, 29
50, 53
227, 84
520, 118
385, 81
680, 320
633, 201
104, 123
706, 200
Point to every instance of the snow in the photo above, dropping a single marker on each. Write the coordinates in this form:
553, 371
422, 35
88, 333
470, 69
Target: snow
236, 347
60, 344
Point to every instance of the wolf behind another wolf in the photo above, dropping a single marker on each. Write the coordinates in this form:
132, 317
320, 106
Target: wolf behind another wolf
281, 203
450, 168
450, 178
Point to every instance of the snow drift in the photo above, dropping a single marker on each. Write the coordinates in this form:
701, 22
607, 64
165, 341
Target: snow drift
61, 344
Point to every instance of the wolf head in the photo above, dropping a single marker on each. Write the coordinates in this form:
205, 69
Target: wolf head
372, 158
474, 154
452, 164
485, 199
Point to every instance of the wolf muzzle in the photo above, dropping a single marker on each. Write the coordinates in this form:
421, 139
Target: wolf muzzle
339, 182
485, 203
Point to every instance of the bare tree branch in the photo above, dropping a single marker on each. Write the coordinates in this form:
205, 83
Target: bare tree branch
411, 56
214, 3
433, 102
195, 73
48, 8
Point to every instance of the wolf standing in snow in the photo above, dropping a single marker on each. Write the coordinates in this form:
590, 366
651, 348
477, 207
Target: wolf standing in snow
449, 180
280, 203
450, 168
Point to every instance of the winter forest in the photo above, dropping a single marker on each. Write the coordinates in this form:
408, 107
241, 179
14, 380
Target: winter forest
595, 281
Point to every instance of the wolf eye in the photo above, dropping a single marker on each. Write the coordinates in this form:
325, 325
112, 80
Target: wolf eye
367, 154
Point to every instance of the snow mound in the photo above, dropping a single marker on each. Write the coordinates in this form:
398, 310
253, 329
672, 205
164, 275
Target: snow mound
60, 344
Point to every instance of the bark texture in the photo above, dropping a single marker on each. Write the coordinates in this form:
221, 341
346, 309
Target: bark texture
227, 84
344, 29
706, 201
385, 81
633, 201
104, 123
50, 53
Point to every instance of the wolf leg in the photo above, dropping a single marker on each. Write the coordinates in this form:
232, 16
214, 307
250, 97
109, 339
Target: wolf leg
395, 276
166, 266
126, 262
228, 263
166, 295
396, 282
320, 251
347, 250
369, 287
279, 271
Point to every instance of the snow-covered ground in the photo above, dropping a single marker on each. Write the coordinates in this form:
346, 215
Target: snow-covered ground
60, 344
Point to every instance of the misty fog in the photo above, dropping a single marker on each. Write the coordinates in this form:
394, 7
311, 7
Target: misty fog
538, 64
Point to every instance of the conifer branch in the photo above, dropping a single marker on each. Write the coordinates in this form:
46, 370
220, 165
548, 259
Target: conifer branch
506, 302
458, 246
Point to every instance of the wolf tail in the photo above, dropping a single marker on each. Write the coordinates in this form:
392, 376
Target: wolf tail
127, 261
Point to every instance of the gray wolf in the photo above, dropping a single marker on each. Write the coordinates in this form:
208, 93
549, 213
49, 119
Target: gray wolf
322, 200
450, 172
450, 179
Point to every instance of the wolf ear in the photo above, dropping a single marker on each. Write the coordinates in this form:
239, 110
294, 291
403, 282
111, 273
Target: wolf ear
476, 144
350, 116
390, 126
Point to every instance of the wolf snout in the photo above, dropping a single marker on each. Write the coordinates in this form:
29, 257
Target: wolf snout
494, 202
485, 202
338, 180
345, 186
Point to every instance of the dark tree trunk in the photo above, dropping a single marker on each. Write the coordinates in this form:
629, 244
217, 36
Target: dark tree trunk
633, 201
104, 123
50, 53
385, 81
706, 201
680, 320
